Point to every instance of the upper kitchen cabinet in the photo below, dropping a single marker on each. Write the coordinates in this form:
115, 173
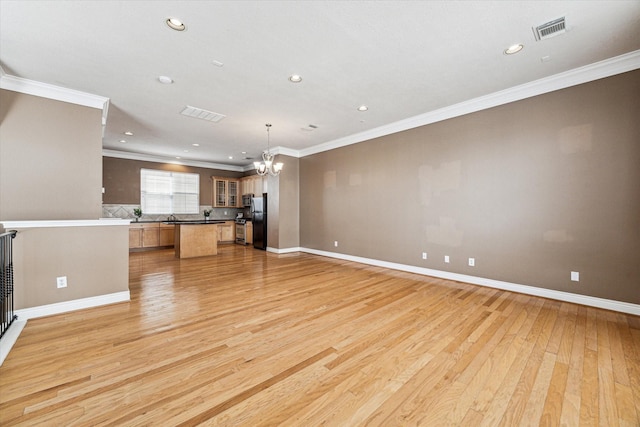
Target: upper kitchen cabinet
244, 185
225, 193
253, 185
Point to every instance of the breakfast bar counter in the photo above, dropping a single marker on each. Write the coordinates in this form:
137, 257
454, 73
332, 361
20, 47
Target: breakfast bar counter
196, 238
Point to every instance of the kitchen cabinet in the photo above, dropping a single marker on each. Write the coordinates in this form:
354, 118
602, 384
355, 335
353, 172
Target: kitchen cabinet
143, 235
244, 185
167, 234
156, 235
248, 233
227, 232
253, 184
260, 185
135, 236
226, 193
150, 235
196, 239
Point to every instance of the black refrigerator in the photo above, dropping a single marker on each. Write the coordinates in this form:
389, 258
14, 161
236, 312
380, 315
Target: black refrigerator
259, 220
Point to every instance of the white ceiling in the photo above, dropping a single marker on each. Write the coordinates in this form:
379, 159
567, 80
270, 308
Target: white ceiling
400, 58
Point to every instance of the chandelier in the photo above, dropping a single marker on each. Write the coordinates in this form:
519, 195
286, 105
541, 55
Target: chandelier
266, 166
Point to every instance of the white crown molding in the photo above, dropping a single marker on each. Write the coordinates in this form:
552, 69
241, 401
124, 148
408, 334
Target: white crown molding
609, 67
78, 304
159, 159
248, 168
606, 68
285, 151
607, 304
45, 90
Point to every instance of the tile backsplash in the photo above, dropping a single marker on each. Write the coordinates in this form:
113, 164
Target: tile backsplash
126, 212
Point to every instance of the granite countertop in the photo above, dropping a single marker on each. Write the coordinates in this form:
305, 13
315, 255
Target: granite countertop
196, 222
181, 221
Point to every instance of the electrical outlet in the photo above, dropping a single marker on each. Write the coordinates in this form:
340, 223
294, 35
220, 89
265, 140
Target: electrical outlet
335, 243
472, 262
575, 276
61, 282
446, 258
424, 255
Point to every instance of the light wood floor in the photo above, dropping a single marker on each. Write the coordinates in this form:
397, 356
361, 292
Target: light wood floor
254, 339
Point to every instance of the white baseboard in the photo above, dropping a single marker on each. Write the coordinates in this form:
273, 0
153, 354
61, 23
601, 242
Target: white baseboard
12, 334
285, 250
78, 304
620, 306
10, 337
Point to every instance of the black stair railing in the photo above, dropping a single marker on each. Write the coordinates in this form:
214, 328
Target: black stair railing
7, 315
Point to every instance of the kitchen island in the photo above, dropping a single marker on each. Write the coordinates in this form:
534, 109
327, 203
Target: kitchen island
196, 238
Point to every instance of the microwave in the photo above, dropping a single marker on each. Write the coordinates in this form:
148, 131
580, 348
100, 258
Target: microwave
246, 200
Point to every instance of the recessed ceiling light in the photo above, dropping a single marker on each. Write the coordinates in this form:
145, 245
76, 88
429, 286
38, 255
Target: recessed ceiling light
243, 152
513, 49
230, 157
129, 133
165, 80
294, 78
175, 24
178, 157
196, 145
122, 141
217, 63
363, 108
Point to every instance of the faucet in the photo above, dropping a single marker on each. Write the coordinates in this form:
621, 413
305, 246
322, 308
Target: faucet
172, 218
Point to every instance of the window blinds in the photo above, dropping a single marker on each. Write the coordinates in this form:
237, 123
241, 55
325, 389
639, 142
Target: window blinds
164, 192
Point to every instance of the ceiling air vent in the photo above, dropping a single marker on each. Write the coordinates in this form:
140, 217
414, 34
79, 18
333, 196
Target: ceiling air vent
199, 113
550, 29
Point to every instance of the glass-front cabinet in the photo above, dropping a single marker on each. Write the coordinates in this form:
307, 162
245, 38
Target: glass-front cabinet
225, 193
232, 193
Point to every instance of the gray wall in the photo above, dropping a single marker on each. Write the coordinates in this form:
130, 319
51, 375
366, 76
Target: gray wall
51, 169
94, 259
283, 219
532, 190
121, 179
50, 159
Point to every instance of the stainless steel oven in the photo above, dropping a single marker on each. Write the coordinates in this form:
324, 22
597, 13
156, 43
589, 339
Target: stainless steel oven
241, 231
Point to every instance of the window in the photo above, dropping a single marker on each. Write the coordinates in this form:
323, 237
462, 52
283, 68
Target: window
164, 192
